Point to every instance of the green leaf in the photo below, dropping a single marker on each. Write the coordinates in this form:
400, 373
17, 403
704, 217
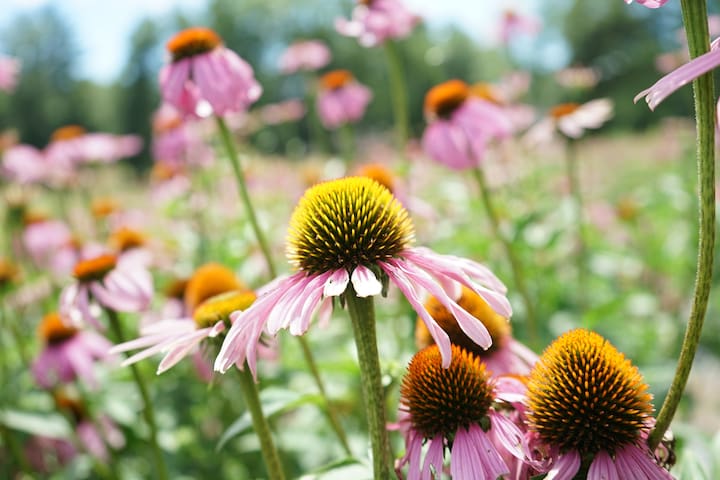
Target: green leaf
51, 425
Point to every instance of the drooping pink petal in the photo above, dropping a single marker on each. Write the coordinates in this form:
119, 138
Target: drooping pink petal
337, 283
602, 468
566, 466
365, 283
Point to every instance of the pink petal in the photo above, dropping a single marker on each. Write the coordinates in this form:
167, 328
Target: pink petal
337, 283
365, 283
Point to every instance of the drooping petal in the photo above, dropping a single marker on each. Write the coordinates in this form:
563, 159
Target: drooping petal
337, 283
365, 283
566, 466
602, 468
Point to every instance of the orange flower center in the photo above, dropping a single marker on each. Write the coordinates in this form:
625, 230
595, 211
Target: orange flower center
94, 268
379, 173
336, 79
209, 280
442, 100
102, 207
176, 288
124, 239
72, 406
54, 330
9, 272
193, 41
219, 307
34, 217
162, 171
497, 325
559, 111
67, 132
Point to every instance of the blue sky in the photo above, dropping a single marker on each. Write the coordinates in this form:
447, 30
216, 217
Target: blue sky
104, 26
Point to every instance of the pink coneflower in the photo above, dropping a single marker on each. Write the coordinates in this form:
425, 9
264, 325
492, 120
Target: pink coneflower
44, 238
341, 99
23, 164
461, 125
108, 148
590, 409
66, 149
571, 119
202, 69
649, 3
68, 353
454, 408
178, 141
9, 72
351, 237
308, 55
374, 21
514, 24
115, 282
671, 82
505, 356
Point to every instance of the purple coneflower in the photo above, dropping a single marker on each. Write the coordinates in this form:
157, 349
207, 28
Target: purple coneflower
461, 125
68, 353
374, 21
341, 99
454, 408
571, 119
307, 55
649, 3
203, 69
505, 356
23, 164
589, 408
119, 283
350, 237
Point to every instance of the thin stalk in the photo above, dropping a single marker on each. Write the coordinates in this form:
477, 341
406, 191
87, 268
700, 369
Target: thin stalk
575, 192
398, 89
232, 153
262, 429
510, 253
240, 178
696, 25
148, 410
11, 443
317, 138
362, 314
346, 139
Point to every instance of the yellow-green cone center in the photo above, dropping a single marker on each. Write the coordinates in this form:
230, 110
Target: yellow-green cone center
584, 395
219, 307
441, 400
345, 223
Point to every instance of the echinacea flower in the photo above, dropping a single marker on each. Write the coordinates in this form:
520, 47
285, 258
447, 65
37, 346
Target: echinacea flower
178, 141
349, 237
454, 408
461, 125
44, 238
341, 99
118, 283
514, 24
177, 338
590, 407
649, 3
208, 280
68, 353
9, 72
307, 55
203, 69
23, 164
505, 356
571, 119
374, 21
685, 74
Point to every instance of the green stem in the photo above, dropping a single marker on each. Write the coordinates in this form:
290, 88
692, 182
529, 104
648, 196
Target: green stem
262, 429
575, 192
329, 406
347, 145
362, 314
229, 144
11, 443
398, 88
317, 137
696, 25
514, 261
148, 410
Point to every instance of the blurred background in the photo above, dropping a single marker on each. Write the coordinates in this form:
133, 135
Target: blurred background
96, 63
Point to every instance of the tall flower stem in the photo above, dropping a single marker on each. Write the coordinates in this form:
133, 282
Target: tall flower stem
510, 253
11, 444
307, 353
262, 429
696, 25
573, 178
362, 314
398, 90
232, 153
148, 410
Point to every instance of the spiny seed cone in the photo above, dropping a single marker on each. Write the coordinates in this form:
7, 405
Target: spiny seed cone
219, 307
497, 325
584, 395
441, 400
345, 223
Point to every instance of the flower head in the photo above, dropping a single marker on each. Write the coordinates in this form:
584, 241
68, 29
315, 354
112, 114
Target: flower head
68, 353
305, 55
375, 21
461, 125
505, 355
454, 407
350, 237
649, 3
207, 281
202, 69
514, 24
341, 99
571, 119
590, 404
